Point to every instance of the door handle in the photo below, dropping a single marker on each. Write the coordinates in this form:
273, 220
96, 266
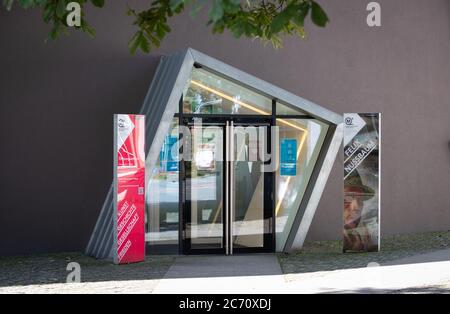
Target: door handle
231, 150
227, 199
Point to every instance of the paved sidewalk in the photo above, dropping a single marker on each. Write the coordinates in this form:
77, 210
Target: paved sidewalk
417, 263
238, 274
417, 274
242, 274
257, 273
436, 256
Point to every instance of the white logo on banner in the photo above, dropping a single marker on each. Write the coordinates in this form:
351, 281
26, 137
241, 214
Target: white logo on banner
353, 123
124, 128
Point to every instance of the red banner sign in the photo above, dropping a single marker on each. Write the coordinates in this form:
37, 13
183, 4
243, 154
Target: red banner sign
129, 188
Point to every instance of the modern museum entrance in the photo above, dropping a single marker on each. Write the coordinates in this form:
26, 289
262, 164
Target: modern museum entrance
232, 170
233, 163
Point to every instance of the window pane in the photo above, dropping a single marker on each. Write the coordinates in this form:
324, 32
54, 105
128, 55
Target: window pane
204, 179
162, 190
288, 110
305, 138
208, 93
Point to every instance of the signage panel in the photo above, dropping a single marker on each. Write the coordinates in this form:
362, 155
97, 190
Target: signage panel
129, 188
361, 232
169, 154
288, 158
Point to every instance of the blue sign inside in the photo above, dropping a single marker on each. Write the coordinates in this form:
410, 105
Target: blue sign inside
288, 158
169, 154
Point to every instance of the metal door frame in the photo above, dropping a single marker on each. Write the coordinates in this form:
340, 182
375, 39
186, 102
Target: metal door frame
227, 192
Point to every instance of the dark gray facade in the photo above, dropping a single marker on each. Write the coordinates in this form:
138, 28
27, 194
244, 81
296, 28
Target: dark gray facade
57, 100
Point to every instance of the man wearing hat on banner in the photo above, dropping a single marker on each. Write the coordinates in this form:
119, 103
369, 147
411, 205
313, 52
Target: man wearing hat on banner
357, 235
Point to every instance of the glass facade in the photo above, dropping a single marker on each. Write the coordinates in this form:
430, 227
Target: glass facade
285, 110
208, 93
308, 136
162, 193
300, 140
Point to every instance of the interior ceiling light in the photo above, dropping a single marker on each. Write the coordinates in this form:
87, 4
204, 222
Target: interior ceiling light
253, 108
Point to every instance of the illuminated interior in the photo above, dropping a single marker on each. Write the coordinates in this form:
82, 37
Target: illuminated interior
209, 94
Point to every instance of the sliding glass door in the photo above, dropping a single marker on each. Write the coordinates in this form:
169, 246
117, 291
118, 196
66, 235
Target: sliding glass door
228, 195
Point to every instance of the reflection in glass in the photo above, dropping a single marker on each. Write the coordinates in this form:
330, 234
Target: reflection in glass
248, 219
204, 176
309, 135
162, 193
208, 93
288, 110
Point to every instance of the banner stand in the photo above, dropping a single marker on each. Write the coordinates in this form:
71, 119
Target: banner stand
361, 231
129, 189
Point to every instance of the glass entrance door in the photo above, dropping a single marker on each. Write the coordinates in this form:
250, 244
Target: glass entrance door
228, 194
203, 189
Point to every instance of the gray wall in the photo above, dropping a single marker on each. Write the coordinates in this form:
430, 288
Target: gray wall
57, 101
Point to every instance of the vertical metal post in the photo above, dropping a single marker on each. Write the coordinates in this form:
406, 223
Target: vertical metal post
227, 202
181, 182
231, 150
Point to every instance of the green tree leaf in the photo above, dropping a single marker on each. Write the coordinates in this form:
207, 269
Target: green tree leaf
216, 11
134, 43
268, 21
144, 44
318, 15
175, 4
87, 29
26, 4
48, 12
278, 22
61, 9
302, 12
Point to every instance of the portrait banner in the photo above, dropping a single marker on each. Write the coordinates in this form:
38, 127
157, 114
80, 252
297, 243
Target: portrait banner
361, 232
129, 188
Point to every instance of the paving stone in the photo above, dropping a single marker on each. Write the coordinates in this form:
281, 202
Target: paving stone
47, 273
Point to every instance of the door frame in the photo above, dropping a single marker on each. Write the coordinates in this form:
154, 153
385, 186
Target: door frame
269, 186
